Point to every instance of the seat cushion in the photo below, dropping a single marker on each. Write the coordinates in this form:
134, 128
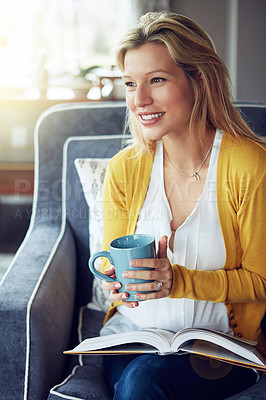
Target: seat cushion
86, 381
255, 392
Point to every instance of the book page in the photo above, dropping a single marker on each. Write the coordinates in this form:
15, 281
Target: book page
159, 340
214, 334
167, 335
131, 348
225, 341
212, 350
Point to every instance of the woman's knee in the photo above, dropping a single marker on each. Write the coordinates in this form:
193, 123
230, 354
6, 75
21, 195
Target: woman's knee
143, 378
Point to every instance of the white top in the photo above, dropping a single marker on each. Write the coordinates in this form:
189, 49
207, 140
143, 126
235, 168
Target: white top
198, 244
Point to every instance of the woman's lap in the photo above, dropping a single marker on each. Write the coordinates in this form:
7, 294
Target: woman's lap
173, 377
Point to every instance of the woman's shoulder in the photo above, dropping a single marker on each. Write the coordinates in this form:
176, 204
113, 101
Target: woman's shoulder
241, 168
124, 154
242, 153
128, 158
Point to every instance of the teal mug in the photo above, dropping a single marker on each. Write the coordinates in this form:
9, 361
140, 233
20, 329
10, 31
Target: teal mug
122, 251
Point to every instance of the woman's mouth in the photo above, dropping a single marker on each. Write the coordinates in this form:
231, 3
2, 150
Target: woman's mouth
151, 117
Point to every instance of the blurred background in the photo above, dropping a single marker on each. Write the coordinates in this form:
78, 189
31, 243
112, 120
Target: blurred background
57, 51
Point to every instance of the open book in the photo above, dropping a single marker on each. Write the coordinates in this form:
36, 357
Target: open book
205, 342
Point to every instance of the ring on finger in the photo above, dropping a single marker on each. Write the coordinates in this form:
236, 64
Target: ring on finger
159, 285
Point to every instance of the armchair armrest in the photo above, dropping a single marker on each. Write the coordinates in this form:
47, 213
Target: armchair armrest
37, 299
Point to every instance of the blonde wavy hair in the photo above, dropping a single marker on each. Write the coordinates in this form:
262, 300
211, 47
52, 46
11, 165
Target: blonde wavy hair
192, 49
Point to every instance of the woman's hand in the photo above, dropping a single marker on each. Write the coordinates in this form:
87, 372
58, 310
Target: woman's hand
114, 287
160, 270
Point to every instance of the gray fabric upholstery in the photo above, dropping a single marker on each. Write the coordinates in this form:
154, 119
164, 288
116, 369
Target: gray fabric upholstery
48, 280
86, 379
255, 392
38, 295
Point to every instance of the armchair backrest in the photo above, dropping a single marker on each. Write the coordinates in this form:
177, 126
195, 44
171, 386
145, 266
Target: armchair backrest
53, 128
255, 115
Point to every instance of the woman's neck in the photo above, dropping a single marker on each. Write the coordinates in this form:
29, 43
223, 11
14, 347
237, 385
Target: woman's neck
186, 152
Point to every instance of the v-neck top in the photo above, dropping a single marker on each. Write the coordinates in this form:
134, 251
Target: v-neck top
198, 244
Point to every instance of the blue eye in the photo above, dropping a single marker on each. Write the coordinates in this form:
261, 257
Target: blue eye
129, 84
157, 80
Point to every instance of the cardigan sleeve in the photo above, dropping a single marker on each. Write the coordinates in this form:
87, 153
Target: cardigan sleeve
233, 286
115, 211
241, 212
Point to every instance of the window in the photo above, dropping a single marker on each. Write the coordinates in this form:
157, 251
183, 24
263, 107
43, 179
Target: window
53, 43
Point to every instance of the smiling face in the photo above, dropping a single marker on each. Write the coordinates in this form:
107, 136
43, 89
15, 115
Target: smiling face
158, 94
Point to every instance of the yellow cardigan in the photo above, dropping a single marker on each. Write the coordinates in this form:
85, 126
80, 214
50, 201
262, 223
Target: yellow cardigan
241, 195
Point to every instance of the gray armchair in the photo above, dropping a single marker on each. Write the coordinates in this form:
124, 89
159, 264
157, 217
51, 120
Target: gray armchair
44, 295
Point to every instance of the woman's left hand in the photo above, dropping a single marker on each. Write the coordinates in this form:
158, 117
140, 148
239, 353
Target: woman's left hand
160, 273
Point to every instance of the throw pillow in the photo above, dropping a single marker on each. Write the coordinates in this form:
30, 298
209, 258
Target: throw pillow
91, 173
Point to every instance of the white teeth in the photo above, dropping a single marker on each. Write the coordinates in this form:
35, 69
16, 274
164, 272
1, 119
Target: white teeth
151, 116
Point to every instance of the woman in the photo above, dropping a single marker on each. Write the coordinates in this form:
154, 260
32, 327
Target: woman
194, 177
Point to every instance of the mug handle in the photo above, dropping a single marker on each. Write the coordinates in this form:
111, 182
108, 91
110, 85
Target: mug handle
95, 271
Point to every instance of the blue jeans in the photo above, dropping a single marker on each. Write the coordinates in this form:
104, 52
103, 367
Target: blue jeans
173, 377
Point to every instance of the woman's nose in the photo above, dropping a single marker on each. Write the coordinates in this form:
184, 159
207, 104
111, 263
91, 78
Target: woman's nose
142, 96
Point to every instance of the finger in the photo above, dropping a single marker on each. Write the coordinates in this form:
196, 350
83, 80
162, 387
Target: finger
118, 296
150, 296
144, 262
110, 271
162, 250
130, 304
160, 292
142, 287
115, 296
111, 285
147, 275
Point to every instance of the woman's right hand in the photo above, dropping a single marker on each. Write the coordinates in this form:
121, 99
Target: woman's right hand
114, 287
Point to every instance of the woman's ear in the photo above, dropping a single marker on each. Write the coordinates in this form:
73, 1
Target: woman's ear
200, 80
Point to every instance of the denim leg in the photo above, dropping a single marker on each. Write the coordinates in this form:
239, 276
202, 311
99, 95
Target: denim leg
186, 377
114, 366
